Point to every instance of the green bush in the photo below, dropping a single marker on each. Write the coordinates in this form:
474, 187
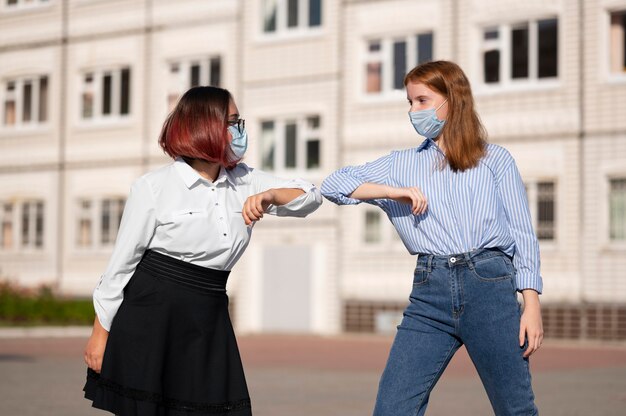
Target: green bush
39, 306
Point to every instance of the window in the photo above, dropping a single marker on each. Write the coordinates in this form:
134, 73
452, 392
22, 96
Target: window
111, 217
523, 51
6, 224
617, 209
98, 221
84, 235
542, 201
105, 94
373, 227
188, 74
388, 60
32, 224
618, 42
18, 4
291, 144
291, 15
25, 101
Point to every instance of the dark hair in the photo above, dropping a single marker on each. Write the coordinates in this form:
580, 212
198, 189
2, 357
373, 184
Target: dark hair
198, 127
464, 135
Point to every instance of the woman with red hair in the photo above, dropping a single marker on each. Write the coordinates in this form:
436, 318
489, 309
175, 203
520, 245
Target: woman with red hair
162, 342
474, 246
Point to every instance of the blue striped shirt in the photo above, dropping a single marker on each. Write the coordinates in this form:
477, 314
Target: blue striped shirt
482, 207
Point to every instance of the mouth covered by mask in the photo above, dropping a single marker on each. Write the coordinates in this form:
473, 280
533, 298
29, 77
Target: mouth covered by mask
239, 143
426, 123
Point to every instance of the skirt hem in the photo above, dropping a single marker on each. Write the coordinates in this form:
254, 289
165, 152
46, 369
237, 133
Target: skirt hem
95, 382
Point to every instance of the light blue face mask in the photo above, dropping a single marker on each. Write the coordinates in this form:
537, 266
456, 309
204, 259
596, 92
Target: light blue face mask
426, 122
239, 143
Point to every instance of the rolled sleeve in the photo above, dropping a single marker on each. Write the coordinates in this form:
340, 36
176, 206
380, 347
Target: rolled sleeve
300, 206
136, 230
526, 258
339, 185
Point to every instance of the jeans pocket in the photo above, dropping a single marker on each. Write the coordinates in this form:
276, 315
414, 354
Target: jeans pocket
420, 276
493, 269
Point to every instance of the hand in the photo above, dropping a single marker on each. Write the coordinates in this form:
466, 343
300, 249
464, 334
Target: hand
412, 196
256, 205
94, 351
531, 326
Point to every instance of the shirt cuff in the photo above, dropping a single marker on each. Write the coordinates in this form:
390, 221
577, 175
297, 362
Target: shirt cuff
302, 205
337, 188
532, 281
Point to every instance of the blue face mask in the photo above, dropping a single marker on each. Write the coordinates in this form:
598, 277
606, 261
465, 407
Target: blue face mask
426, 122
239, 143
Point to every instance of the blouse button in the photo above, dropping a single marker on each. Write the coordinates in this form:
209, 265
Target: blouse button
224, 234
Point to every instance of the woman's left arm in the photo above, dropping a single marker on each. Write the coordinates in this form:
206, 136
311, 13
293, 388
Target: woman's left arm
526, 259
275, 196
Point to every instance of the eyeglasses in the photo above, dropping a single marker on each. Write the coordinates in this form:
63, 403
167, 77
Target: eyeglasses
240, 123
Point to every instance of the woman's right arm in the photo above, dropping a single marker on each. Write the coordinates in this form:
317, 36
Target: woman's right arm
370, 183
133, 237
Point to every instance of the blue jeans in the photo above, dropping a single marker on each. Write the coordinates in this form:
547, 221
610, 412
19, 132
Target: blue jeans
467, 299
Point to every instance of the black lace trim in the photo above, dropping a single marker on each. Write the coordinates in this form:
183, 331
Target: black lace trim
170, 403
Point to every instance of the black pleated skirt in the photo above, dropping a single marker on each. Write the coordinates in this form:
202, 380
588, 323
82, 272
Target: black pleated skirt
171, 350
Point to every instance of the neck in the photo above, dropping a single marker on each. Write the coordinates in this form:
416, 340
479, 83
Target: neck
440, 142
208, 170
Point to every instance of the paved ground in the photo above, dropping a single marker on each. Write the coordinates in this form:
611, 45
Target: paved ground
306, 376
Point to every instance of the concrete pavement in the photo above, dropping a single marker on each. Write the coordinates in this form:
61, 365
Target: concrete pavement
306, 376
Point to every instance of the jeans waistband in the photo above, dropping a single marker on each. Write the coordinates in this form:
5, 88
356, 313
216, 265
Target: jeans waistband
198, 278
431, 261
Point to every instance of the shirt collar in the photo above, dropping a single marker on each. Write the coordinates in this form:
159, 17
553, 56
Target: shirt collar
425, 144
428, 143
190, 176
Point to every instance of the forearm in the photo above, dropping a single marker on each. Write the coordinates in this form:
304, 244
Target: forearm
531, 298
283, 196
368, 191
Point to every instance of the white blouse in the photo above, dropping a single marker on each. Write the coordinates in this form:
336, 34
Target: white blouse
175, 211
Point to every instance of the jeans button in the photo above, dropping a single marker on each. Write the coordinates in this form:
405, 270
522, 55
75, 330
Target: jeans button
453, 260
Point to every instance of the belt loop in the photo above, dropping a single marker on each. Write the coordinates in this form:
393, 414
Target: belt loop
430, 263
470, 262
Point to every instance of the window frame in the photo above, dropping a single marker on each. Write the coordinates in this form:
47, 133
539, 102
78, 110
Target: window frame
605, 39
282, 31
98, 117
389, 239
385, 55
304, 134
612, 241
532, 193
21, 6
506, 82
95, 214
18, 97
179, 84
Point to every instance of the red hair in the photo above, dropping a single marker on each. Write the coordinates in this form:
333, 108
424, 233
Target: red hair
197, 128
464, 135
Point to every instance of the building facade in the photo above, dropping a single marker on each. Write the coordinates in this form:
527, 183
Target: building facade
86, 84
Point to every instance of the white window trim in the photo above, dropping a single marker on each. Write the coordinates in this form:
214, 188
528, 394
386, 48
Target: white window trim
387, 93
183, 80
19, 212
390, 240
304, 133
20, 7
20, 126
95, 215
612, 172
506, 83
98, 119
604, 68
284, 34
532, 192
